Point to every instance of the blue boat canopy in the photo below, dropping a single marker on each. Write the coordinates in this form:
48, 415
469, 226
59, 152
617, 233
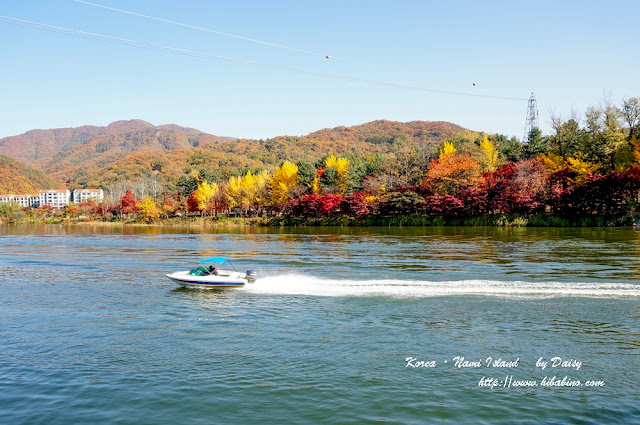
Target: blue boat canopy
214, 260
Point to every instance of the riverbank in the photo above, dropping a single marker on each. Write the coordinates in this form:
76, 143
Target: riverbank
196, 222
498, 220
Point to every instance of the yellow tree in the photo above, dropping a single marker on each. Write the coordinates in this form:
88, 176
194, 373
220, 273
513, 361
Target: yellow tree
282, 181
149, 209
488, 157
248, 191
256, 189
315, 185
233, 192
552, 162
581, 168
330, 161
205, 194
635, 143
447, 150
342, 170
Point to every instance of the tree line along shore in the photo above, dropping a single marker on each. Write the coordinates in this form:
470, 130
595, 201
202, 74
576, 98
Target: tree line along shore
585, 173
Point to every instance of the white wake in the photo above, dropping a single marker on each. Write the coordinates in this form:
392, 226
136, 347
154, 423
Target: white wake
295, 284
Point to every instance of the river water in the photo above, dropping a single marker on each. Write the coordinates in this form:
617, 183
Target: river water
345, 326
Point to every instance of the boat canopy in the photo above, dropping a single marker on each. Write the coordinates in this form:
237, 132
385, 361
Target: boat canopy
214, 260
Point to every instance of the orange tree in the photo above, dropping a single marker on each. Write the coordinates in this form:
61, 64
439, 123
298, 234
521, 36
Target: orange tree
449, 174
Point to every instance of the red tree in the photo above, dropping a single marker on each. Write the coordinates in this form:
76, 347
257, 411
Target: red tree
128, 203
356, 205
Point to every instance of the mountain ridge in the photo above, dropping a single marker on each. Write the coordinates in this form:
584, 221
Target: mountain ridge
124, 150
36, 144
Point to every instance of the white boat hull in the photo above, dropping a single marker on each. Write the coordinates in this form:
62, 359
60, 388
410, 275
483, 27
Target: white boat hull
232, 280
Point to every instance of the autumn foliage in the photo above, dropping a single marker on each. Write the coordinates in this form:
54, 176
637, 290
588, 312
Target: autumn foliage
450, 174
378, 169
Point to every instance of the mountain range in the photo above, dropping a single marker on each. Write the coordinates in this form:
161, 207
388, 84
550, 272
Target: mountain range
94, 156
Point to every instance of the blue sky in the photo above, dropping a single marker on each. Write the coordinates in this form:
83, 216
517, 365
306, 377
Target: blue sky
569, 53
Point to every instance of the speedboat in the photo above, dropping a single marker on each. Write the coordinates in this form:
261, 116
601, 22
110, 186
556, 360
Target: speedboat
210, 274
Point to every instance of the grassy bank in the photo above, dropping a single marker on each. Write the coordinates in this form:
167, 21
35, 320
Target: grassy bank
196, 222
499, 220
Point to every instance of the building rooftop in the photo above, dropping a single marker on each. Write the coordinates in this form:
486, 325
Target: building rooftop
87, 190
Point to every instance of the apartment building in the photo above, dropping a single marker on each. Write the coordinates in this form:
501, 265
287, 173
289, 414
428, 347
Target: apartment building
27, 201
83, 195
7, 198
55, 198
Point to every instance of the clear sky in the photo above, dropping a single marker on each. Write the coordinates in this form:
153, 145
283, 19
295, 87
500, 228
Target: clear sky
396, 59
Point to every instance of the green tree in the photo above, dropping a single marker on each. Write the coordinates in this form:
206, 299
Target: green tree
187, 185
407, 202
378, 139
373, 163
11, 210
357, 171
343, 179
568, 137
329, 180
511, 149
606, 134
306, 173
210, 175
537, 145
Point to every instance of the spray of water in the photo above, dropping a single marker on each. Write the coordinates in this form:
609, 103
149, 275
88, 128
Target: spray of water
296, 284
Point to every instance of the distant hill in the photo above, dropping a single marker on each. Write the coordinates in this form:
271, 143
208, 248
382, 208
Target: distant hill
44, 145
382, 131
119, 149
19, 179
36, 144
82, 155
94, 156
374, 137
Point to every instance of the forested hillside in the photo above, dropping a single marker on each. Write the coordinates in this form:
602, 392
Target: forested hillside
17, 178
138, 152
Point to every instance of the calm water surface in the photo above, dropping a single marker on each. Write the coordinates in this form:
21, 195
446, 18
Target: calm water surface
92, 332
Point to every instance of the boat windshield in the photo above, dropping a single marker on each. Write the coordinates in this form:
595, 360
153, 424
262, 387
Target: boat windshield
200, 271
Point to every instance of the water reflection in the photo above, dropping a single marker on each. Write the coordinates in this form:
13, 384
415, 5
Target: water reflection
439, 253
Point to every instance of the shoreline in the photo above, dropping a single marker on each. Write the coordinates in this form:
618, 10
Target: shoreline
500, 220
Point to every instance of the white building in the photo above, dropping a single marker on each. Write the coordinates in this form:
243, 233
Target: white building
27, 201
30, 201
7, 198
55, 198
83, 195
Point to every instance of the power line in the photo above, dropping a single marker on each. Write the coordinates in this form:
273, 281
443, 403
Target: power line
196, 53
253, 40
